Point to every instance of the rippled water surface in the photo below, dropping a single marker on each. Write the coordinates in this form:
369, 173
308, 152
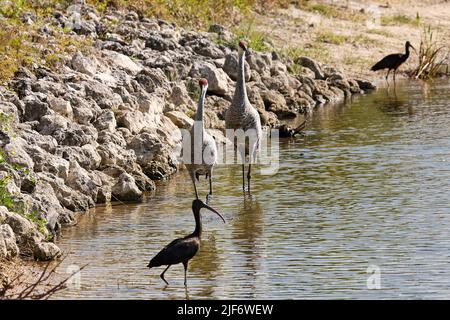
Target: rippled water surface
369, 185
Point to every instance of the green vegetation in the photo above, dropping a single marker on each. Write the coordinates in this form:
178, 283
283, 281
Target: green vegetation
193, 89
331, 37
191, 13
7, 200
381, 32
19, 43
315, 51
331, 11
258, 41
362, 39
399, 20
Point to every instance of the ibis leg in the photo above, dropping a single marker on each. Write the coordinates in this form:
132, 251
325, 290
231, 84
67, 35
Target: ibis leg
387, 76
185, 264
162, 274
394, 76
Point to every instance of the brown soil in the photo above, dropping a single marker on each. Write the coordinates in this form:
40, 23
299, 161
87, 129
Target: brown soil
351, 37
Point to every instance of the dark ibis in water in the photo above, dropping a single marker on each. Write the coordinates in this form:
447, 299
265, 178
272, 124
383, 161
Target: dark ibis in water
183, 249
393, 61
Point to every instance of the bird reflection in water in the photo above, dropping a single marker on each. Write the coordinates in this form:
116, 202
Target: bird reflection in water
248, 230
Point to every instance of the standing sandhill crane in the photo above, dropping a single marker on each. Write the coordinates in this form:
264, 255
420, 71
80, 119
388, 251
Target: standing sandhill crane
183, 249
241, 115
393, 61
203, 146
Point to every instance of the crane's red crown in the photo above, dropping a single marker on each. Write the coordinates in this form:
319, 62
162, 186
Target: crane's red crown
203, 82
243, 44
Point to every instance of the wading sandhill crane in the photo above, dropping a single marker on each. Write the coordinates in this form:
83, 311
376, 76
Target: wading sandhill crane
203, 150
241, 115
393, 61
183, 249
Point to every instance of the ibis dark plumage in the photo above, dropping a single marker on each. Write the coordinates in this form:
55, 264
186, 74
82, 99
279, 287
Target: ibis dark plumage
183, 249
393, 61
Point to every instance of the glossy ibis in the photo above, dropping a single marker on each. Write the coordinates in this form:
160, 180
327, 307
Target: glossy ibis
203, 153
183, 249
393, 61
241, 116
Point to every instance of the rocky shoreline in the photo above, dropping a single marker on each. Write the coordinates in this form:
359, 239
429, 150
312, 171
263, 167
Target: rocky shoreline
104, 126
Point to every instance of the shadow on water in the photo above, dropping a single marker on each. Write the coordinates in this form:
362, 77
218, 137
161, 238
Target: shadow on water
368, 185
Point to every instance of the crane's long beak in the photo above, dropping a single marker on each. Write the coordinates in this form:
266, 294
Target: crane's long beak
413, 48
211, 209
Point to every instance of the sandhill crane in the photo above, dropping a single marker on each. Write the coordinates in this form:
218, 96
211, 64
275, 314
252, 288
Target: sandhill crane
183, 249
393, 61
203, 153
242, 115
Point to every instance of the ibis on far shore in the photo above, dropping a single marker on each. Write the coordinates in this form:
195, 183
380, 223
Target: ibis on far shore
183, 249
393, 61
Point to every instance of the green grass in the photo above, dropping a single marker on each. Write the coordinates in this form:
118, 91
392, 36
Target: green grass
381, 32
331, 11
7, 200
315, 51
400, 19
362, 39
257, 40
191, 13
19, 45
330, 37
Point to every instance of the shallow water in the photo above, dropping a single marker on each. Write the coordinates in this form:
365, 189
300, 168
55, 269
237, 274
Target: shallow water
367, 187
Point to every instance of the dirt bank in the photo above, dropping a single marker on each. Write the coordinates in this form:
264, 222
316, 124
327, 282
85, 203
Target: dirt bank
353, 35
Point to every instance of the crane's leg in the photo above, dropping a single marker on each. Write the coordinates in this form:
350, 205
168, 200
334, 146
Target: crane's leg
249, 173
162, 274
185, 264
210, 185
387, 77
242, 152
395, 70
243, 177
209, 195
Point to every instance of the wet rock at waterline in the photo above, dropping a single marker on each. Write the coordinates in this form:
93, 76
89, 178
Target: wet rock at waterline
106, 124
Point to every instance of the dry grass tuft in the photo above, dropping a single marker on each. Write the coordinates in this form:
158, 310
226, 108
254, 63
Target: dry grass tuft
432, 57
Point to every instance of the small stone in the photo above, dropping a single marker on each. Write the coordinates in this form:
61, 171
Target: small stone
46, 251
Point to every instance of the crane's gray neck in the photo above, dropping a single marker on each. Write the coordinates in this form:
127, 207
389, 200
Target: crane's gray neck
200, 107
241, 91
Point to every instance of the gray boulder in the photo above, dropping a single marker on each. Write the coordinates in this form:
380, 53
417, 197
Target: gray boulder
84, 64
102, 95
312, 65
217, 78
231, 67
45, 251
126, 189
8, 246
